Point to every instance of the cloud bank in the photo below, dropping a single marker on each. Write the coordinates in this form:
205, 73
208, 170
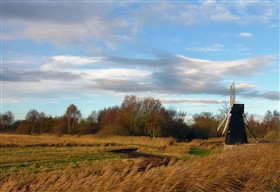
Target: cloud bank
68, 23
169, 75
106, 37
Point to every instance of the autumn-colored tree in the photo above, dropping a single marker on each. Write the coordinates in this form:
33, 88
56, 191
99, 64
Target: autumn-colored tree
61, 127
23, 127
142, 117
73, 115
131, 115
154, 116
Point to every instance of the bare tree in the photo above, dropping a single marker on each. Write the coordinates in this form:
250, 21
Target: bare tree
93, 117
271, 120
33, 118
153, 116
131, 114
6, 120
223, 112
92, 120
42, 117
73, 115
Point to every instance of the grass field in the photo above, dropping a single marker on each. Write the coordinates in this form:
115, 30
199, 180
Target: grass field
91, 163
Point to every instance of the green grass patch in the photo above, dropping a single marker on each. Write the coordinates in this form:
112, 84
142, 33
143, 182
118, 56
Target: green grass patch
44, 165
38, 159
200, 151
185, 158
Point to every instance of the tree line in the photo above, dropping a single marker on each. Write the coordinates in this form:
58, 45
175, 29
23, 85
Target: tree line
134, 117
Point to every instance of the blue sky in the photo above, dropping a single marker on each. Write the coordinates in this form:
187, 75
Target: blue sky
93, 53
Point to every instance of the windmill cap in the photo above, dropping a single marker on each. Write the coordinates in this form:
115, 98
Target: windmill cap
239, 108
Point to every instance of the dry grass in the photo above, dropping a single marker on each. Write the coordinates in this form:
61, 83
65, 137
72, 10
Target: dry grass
241, 168
252, 168
7, 140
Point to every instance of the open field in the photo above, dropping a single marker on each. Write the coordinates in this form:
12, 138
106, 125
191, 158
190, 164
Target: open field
91, 163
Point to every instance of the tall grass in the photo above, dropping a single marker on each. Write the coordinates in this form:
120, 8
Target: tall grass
7, 140
242, 168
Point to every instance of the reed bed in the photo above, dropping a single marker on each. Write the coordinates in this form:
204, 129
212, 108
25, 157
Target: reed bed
252, 167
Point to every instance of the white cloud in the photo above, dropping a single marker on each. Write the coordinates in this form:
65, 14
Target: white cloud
94, 28
67, 62
167, 74
212, 48
245, 86
115, 73
245, 34
79, 60
190, 100
223, 17
239, 68
92, 68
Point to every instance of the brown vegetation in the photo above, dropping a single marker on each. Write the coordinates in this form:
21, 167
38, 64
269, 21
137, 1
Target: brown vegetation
253, 167
13, 140
136, 117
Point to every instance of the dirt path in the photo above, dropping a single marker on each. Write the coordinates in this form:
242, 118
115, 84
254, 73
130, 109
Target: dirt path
149, 160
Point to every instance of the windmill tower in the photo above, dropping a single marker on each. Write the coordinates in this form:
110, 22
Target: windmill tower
234, 124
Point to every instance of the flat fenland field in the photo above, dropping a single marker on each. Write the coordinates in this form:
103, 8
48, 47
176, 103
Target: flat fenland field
91, 163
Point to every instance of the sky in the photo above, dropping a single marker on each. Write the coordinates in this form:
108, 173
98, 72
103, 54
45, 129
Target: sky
93, 53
